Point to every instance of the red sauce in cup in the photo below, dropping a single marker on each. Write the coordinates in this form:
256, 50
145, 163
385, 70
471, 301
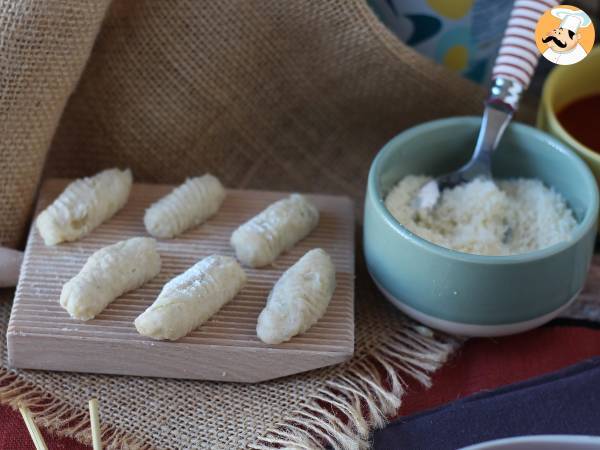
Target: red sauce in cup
581, 119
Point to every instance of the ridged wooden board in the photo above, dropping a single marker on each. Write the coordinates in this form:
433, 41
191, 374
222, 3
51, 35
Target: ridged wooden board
41, 335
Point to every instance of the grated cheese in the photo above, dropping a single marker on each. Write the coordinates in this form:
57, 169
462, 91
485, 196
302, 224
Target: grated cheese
505, 217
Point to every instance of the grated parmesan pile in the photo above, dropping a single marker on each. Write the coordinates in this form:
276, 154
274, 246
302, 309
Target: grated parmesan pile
486, 218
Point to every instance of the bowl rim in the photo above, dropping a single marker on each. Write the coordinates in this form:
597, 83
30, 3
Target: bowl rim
549, 91
581, 229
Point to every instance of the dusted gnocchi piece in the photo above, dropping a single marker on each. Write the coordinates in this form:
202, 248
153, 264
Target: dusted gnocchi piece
83, 205
108, 274
185, 207
190, 299
298, 299
276, 229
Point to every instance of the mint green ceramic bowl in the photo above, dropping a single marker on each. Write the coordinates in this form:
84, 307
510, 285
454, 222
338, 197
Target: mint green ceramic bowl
476, 295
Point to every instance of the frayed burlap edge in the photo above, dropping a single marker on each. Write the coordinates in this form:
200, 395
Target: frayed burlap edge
344, 413
61, 418
341, 415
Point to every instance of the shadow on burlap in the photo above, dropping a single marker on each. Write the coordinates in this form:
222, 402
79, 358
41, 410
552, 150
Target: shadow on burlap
265, 94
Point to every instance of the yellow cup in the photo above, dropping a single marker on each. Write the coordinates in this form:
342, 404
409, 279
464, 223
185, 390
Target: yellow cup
564, 85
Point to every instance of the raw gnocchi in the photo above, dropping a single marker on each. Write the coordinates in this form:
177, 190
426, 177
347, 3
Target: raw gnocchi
276, 229
84, 205
298, 299
108, 274
186, 206
190, 299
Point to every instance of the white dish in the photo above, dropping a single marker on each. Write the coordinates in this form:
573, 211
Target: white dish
541, 442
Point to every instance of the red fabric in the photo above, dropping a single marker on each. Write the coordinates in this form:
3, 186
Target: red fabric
481, 364
490, 363
14, 434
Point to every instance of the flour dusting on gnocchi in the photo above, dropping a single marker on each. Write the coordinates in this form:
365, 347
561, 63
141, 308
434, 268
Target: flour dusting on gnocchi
190, 299
278, 228
186, 206
108, 274
83, 205
298, 299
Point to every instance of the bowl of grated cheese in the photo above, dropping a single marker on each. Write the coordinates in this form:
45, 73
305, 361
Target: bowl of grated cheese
494, 257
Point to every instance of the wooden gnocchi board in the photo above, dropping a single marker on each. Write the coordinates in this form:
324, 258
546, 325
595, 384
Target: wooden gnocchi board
41, 335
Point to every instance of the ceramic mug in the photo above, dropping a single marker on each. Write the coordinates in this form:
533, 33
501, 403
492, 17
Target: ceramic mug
564, 85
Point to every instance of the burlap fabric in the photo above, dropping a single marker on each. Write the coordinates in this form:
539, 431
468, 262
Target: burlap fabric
294, 95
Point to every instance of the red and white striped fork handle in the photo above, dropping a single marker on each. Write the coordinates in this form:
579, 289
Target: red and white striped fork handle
518, 55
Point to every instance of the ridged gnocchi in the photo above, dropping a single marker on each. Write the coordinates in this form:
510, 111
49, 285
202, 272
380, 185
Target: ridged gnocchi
186, 206
298, 299
190, 299
83, 205
108, 274
278, 228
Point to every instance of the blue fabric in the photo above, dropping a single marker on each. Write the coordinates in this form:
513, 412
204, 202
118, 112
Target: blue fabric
563, 402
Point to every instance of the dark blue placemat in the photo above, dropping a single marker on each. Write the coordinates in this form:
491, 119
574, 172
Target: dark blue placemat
563, 402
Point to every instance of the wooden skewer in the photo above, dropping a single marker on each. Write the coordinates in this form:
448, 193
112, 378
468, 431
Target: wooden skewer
95, 422
34, 431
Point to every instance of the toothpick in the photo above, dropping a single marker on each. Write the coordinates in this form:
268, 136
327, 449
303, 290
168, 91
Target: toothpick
34, 431
95, 422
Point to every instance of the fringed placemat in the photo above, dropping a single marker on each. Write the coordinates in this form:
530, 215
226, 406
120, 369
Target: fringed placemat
336, 406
